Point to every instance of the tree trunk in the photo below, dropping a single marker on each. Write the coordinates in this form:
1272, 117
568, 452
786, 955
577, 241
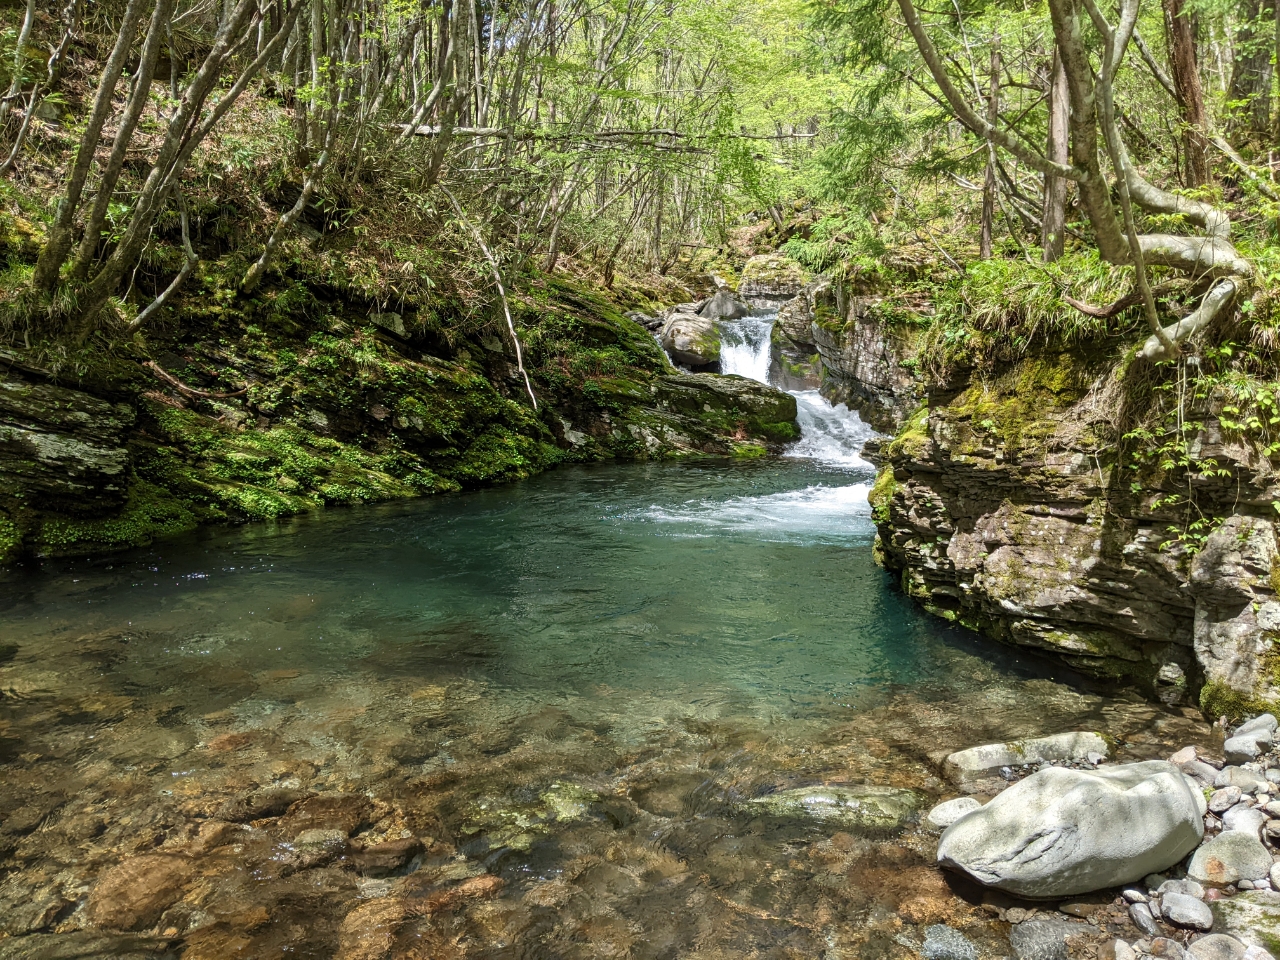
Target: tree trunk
1180, 36
989, 184
1054, 216
1251, 71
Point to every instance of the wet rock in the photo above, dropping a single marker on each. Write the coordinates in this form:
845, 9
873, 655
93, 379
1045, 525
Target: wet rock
978, 762
723, 306
1185, 755
369, 931
769, 278
868, 807
1045, 938
1216, 946
1229, 857
87, 945
1224, 799
215, 833
133, 894
1140, 914
691, 340
949, 811
1187, 912
1061, 831
1251, 917
384, 859
347, 812
260, 804
943, 943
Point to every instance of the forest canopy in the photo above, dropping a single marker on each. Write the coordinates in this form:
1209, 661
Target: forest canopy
142, 136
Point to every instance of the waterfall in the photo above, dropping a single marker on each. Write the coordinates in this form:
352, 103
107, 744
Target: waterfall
832, 435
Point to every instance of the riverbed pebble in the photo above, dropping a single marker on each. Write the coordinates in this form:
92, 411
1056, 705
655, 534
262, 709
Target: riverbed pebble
1045, 938
1245, 748
1237, 776
1188, 888
1224, 799
1184, 911
1141, 916
1185, 755
1244, 818
1133, 895
1116, 950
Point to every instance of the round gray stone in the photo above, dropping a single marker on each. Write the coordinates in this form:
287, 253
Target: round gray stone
1217, 946
1187, 912
1229, 857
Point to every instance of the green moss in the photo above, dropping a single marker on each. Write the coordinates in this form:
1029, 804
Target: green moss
881, 495
149, 512
1012, 408
1219, 700
10, 540
913, 439
749, 451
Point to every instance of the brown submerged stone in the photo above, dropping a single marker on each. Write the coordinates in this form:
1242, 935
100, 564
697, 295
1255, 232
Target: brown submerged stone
133, 894
381, 859
260, 804
347, 812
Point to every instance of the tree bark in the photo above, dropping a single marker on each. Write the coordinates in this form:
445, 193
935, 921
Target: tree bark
1180, 37
989, 183
1053, 221
1251, 70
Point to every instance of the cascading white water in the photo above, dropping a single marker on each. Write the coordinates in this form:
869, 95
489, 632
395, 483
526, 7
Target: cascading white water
830, 434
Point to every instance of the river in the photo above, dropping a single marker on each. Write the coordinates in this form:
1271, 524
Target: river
561, 698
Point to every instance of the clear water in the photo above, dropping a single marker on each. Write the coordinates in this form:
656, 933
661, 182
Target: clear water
569, 689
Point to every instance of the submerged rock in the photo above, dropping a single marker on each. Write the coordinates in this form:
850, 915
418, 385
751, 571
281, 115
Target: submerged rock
869, 807
1062, 832
943, 943
133, 894
1045, 938
977, 762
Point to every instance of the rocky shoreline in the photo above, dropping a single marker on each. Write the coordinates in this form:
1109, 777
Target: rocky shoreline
1185, 852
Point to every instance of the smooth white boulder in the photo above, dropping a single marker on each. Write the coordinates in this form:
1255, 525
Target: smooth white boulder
977, 762
1062, 832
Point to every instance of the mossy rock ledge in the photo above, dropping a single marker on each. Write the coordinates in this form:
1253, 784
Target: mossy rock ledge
1005, 505
331, 405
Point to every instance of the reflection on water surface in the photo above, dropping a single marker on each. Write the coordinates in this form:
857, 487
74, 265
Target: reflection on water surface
535, 717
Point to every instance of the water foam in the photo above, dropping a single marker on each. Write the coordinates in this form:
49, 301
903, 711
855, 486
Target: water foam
814, 512
831, 435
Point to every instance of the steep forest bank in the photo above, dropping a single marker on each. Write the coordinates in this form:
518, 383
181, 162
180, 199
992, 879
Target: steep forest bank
297, 398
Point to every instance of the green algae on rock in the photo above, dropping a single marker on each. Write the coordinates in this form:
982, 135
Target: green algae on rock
865, 807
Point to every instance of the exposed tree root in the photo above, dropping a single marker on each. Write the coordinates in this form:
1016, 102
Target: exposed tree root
183, 389
1215, 301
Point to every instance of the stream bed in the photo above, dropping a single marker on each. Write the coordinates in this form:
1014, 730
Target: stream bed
535, 720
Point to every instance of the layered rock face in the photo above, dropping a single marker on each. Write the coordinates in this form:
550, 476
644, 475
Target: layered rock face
1005, 505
